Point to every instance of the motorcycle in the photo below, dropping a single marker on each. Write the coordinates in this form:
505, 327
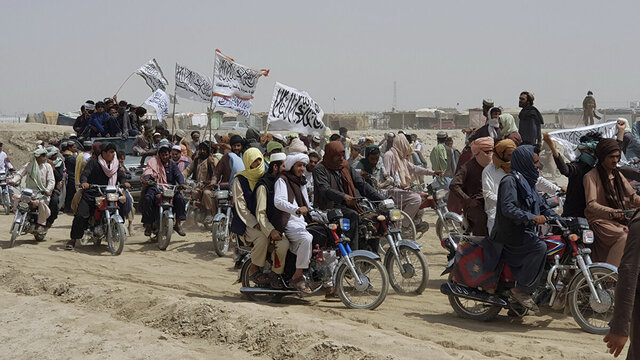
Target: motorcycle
25, 219
406, 265
5, 196
448, 221
358, 277
163, 228
106, 222
221, 229
572, 279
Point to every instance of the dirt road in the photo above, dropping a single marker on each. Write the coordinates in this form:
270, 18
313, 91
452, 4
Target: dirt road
183, 303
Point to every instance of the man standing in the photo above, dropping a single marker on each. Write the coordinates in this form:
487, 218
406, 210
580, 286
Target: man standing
354, 155
292, 201
57, 164
5, 164
453, 155
176, 156
70, 164
626, 312
224, 171
195, 141
530, 120
314, 158
467, 185
346, 141
439, 156
589, 109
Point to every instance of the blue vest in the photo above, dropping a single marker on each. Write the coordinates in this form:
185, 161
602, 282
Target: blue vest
237, 225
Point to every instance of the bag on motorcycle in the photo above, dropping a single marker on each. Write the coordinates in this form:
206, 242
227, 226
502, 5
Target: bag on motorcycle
321, 235
469, 268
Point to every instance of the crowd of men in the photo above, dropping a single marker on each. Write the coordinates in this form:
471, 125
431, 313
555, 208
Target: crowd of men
276, 180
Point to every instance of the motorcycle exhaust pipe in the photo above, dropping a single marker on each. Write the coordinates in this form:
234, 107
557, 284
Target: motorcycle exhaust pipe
254, 290
471, 293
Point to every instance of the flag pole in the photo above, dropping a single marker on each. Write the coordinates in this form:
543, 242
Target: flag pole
212, 106
173, 117
127, 79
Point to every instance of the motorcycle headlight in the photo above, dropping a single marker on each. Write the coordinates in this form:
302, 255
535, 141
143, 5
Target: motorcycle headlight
345, 224
113, 197
396, 215
387, 204
587, 237
441, 194
99, 201
168, 193
222, 194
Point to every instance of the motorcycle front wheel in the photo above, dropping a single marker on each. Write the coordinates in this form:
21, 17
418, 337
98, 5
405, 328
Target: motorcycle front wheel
454, 227
164, 233
117, 238
372, 290
416, 271
593, 317
6, 202
472, 309
15, 230
220, 237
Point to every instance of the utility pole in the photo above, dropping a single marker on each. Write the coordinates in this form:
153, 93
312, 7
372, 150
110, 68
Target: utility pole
394, 106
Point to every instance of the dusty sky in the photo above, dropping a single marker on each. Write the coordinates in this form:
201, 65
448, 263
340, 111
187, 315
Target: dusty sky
54, 55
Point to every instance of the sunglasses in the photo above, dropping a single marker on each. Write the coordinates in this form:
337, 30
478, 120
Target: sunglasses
488, 152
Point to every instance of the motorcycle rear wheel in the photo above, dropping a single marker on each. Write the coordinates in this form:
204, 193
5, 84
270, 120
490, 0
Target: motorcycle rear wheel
220, 240
247, 282
15, 229
6, 202
164, 233
118, 237
416, 271
454, 226
368, 270
582, 306
471, 309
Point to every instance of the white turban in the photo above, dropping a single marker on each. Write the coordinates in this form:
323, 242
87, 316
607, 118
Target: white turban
294, 158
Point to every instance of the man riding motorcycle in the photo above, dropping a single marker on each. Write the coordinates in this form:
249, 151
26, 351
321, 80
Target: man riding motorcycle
292, 201
102, 170
201, 169
336, 185
513, 239
268, 219
244, 223
163, 171
38, 176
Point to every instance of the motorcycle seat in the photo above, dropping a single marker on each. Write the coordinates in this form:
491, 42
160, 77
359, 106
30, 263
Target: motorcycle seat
473, 239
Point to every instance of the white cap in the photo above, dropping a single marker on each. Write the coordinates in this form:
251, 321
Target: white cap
277, 157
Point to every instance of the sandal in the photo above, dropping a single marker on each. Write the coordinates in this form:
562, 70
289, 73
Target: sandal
70, 245
259, 278
330, 294
301, 285
526, 301
275, 281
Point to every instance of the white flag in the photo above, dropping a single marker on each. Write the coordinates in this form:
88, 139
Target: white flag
160, 101
193, 86
570, 138
232, 79
152, 74
243, 107
295, 110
